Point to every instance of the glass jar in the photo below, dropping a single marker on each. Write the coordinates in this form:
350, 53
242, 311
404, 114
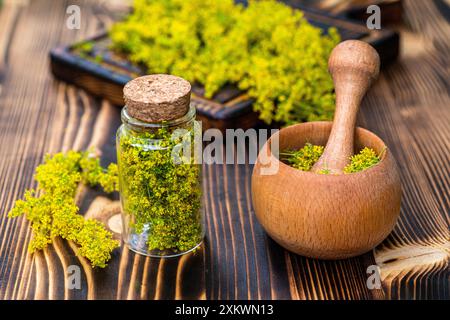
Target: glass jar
160, 185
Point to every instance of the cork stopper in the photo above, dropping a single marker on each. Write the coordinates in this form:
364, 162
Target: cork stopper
157, 97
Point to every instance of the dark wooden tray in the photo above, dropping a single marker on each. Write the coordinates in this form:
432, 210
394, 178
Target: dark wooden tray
229, 108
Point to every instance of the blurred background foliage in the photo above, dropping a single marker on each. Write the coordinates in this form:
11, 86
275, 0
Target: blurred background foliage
265, 48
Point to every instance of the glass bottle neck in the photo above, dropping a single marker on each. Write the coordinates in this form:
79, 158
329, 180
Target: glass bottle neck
138, 125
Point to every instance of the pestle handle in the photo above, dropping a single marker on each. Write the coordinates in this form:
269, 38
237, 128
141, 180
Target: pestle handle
353, 65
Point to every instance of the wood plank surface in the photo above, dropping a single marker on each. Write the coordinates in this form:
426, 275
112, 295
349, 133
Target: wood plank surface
408, 108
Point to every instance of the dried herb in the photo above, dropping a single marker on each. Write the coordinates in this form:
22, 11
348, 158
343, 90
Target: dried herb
305, 158
266, 49
158, 194
51, 207
364, 160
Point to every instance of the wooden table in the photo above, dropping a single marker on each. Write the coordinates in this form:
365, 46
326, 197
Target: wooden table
408, 108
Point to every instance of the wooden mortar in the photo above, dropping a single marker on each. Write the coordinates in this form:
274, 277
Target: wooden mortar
330, 216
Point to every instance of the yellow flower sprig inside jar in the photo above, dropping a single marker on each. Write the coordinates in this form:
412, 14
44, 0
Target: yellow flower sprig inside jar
159, 177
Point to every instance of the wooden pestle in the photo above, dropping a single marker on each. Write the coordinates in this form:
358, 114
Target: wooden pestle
353, 65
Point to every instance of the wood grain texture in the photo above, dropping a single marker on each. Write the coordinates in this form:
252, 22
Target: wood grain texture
410, 101
407, 107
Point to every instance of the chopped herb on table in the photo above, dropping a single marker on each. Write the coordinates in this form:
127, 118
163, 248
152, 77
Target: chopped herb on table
52, 211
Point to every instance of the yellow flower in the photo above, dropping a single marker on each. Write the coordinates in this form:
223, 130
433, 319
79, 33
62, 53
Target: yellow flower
266, 49
53, 211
